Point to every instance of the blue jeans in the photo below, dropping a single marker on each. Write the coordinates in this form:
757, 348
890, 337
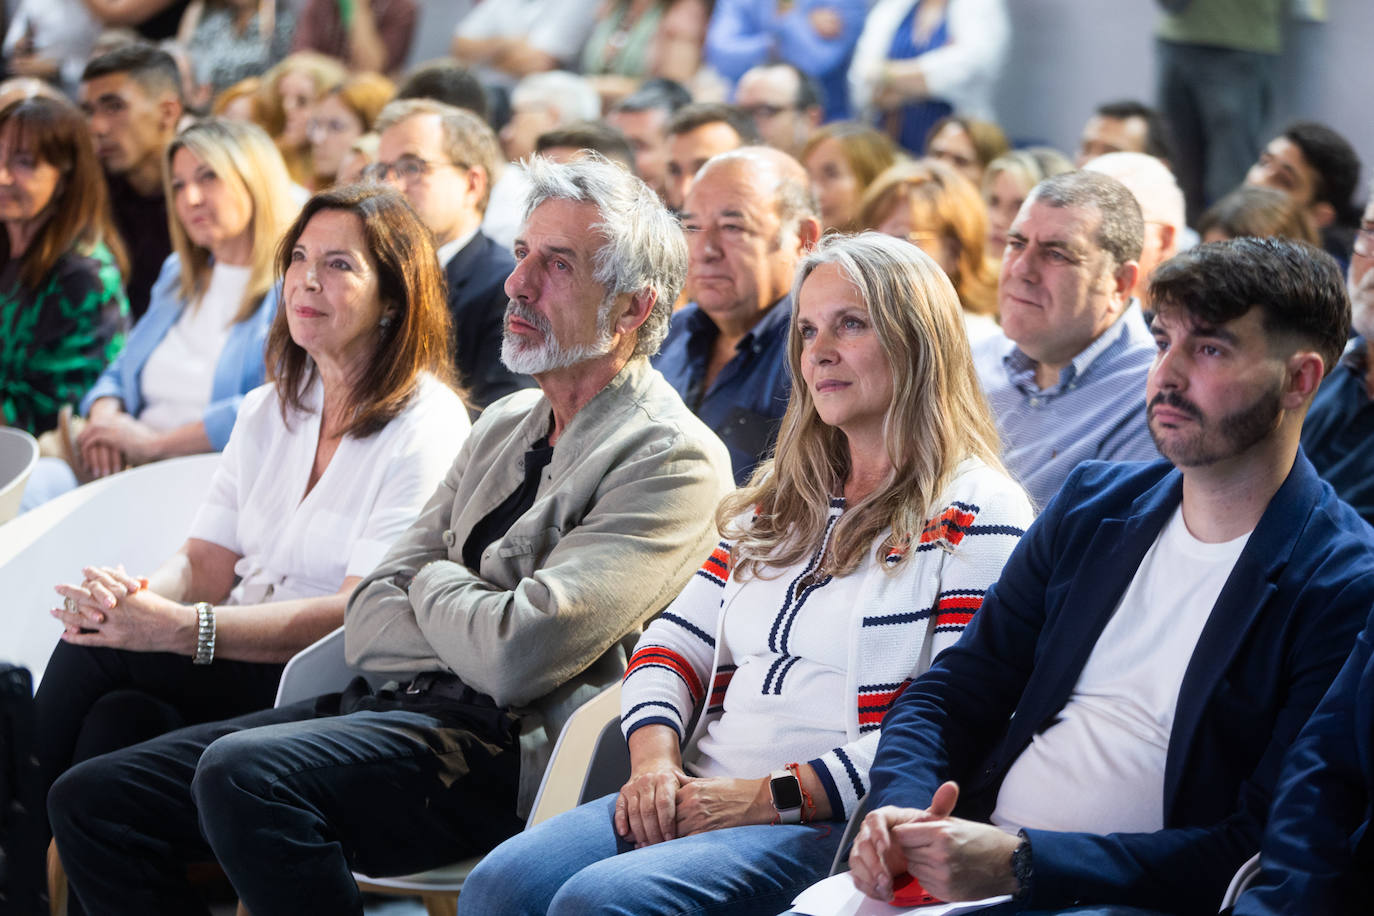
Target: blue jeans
576, 865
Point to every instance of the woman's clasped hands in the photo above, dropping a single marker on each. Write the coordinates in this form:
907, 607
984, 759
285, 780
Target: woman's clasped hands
112, 609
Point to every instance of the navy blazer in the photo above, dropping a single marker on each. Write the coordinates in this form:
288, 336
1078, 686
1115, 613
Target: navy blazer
1281, 627
1318, 852
476, 276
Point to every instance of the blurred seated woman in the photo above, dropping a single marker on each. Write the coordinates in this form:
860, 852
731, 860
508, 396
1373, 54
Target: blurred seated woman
176, 387
63, 314
340, 117
1259, 212
967, 144
242, 101
290, 91
791, 642
232, 40
842, 159
1007, 182
361, 153
327, 465
939, 211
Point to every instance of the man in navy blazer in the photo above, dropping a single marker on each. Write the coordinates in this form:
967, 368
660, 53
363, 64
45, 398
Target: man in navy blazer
1109, 730
442, 158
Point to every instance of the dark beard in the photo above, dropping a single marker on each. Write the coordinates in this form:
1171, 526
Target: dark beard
1238, 431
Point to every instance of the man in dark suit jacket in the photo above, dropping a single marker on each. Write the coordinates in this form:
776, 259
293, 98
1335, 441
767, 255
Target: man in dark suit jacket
1109, 729
441, 158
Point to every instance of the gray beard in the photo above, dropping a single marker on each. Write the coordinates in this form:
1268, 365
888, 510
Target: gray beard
534, 359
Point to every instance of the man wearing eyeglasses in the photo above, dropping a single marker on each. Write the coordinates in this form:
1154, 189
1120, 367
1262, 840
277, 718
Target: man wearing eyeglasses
785, 104
442, 159
1340, 425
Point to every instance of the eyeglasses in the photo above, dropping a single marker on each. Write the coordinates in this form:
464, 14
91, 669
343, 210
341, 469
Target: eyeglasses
407, 168
316, 127
763, 111
1364, 242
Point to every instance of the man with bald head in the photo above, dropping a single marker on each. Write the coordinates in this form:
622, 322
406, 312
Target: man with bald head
749, 217
1161, 204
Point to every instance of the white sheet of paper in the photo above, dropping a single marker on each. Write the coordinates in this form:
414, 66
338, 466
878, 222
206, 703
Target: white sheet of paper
837, 896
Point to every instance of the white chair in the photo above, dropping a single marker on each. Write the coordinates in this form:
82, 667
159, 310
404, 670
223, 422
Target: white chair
590, 759
1244, 877
138, 517
18, 455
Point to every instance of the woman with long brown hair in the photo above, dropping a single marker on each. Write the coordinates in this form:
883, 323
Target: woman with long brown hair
63, 313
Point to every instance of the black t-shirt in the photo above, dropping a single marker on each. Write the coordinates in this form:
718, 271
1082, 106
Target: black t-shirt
498, 521
142, 224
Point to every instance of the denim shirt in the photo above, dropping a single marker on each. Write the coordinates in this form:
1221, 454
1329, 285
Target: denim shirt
745, 403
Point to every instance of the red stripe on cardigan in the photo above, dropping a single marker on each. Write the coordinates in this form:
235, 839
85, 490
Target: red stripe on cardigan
874, 704
657, 655
948, 526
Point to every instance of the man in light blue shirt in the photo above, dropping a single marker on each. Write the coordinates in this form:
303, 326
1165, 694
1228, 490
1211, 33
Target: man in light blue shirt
1066, 383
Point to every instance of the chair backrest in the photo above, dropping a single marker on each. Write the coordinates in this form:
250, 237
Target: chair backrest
138, 518
589, 760
18, 455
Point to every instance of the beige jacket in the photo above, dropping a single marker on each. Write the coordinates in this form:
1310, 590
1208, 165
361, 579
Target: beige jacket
622, 518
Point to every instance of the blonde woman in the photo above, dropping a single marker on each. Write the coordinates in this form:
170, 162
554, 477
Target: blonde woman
290, 91
176, 387
851, 560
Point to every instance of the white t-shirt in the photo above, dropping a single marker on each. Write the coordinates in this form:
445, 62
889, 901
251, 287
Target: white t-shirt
177, 378
369, 494
1100, 767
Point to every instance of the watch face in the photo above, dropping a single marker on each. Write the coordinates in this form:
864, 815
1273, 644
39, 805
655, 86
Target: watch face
786, 792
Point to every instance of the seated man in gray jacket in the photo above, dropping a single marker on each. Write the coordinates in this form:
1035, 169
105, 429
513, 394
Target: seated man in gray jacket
571, 515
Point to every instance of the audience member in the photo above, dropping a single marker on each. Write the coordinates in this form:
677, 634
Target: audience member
1216, 73
1126, 126
816, 36
447, 81
327, 466
361, 153
749, 219
293, 87
564, 143
195, 95
1161, 204
132, 99
1065, 382
968, 144
1319, 169
50, 40
935, 208
784, 102
341, 116
1107, 734
492, 611
1257, 212
695, 134
699, 829
242, 101
442, 158
543, 101
63, 314
231, 40
636, 39
1007, 181
1316, 855
842, 160
643, 118
1337, 433
367, 35
26, 87
177, 386
145, 20
515, 38
918, 62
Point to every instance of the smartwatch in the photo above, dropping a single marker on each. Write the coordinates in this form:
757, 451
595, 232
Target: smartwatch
785, 789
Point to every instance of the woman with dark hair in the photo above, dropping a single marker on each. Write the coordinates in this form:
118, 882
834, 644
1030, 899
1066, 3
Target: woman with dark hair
327, 465
852, 558
63, 313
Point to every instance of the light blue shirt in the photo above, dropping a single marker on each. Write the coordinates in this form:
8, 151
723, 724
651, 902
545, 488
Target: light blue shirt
1095, 411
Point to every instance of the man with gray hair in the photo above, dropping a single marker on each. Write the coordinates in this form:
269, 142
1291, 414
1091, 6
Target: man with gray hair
1065, 383
571, 515
543, 101
442, 159
749, 217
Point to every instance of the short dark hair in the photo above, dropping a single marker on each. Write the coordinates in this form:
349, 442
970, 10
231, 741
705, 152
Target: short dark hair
409, 281
592, 135
1159, 141
151, 67
1297, 286
1333, 159
445, 80
657, 94
699, 114
1122, 233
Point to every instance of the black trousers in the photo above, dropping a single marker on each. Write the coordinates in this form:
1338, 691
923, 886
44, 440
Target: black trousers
289, 801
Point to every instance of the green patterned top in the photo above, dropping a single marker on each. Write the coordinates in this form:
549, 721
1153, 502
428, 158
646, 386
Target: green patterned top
55, 342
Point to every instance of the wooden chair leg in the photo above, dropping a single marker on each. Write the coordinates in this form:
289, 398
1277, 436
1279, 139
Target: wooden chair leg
57, 882
440, 904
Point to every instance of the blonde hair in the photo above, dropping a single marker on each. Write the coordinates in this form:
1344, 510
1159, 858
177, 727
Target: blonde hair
941, 200
244, 156
937, 418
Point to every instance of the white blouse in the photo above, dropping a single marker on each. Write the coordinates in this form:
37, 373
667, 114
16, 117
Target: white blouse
371, 491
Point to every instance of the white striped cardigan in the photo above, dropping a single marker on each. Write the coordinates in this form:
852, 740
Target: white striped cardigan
899, 622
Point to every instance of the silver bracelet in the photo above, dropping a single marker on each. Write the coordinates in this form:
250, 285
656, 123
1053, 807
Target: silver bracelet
205, 633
